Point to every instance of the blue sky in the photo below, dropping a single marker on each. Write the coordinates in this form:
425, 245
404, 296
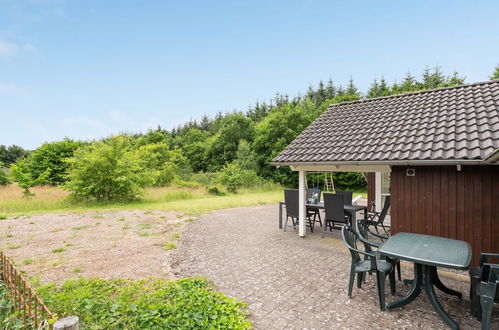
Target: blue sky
87, 69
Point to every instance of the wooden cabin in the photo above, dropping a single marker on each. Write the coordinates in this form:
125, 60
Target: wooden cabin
435, 152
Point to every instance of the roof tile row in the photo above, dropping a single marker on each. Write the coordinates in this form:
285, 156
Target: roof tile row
455, 123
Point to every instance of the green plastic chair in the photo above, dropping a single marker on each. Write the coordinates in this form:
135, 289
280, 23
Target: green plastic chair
370, 264
484, 288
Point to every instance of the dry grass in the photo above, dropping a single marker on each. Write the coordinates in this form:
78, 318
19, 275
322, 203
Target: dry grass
54, 199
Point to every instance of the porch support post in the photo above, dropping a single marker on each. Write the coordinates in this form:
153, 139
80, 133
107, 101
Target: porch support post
377, 191
302, 177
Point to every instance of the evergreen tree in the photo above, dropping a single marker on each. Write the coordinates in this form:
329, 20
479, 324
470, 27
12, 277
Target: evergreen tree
320, 94
330, 89
495, 75
373, 90
352, 89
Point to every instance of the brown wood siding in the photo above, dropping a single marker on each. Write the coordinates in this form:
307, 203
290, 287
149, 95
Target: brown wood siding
441, 201
371, 195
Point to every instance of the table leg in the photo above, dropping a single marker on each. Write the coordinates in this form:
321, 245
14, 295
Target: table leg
415, 290
430, 272
280, 215
441, 286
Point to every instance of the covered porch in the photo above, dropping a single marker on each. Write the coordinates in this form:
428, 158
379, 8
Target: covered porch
376, 170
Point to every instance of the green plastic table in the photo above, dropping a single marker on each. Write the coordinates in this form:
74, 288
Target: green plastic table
427, 253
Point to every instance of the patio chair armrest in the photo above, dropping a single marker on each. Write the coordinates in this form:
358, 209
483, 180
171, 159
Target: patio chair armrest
484, 257
365, 241
369, 254
382, 237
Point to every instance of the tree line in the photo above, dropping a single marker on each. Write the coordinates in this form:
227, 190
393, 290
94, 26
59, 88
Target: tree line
224, 152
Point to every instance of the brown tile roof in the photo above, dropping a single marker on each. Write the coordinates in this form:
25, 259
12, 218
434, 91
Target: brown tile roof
453, 124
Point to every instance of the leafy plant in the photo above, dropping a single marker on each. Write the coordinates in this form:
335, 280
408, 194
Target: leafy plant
189, 303
4, 179
214, 190
233, 177
107, 171
21, 174
51, 157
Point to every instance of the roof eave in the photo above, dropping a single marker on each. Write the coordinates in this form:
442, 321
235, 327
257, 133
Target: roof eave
393, 162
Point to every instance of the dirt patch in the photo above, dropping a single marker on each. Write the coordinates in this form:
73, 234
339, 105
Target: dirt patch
123, 244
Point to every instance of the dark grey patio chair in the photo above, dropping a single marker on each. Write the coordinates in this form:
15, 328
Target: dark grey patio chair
347, 199
481, 276
347, 196
367, 236
360, 267
334, 213
377, 219
292, 201
313, 212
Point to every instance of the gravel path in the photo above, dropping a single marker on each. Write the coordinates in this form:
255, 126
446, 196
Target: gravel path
122, 244
290, 282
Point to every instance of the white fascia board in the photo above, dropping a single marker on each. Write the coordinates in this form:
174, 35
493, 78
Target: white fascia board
342, 168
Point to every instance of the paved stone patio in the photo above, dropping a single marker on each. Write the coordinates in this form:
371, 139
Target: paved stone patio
290, 282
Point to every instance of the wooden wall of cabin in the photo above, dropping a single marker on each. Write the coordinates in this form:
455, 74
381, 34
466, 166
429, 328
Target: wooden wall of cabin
442, 201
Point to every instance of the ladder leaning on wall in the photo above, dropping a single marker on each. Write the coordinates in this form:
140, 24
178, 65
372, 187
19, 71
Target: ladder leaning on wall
329, 182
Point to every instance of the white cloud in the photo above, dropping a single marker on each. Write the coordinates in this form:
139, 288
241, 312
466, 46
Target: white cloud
113, 122
7, 49
10, 49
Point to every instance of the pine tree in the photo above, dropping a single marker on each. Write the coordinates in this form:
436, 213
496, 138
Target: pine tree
330, 89
320, 94
495, 75
352, 89
373, 90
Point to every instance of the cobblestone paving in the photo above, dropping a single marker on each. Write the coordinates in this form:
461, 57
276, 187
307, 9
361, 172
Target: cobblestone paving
290, 282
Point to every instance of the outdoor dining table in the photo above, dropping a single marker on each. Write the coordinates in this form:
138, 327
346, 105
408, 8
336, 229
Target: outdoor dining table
427, 253
352, 209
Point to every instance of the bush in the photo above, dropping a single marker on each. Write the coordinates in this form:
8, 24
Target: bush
51, 157
349, 181
4, 179
214, 190
106, 171
189, 303
233, 177
20, 172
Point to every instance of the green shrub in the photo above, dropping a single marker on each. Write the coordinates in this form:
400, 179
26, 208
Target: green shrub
9, 319
214, 190
51, 157
106, 171
20, 172
233, 177
189, 303
4, 179
205, 178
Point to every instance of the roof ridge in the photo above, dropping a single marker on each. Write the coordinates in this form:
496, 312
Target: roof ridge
414, 93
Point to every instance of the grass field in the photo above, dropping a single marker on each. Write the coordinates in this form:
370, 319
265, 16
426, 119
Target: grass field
195, 200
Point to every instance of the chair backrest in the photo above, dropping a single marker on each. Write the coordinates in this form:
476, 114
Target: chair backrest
350, 239
363, 230
334, 208
385, 209
310, 192
347, 196
291, 199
